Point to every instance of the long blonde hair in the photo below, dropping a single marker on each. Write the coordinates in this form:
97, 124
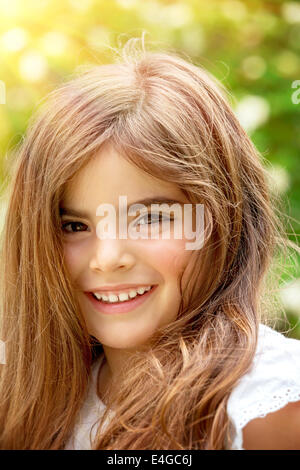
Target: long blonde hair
171, 118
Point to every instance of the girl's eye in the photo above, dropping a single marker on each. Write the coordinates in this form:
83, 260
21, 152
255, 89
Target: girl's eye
154, 218
73, 225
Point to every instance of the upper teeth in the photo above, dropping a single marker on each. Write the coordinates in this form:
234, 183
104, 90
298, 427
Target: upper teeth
122, 296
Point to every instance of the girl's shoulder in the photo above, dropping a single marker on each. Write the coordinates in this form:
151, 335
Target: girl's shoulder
272, 382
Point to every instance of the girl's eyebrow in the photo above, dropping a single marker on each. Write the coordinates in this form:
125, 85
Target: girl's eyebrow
72, 212
156, 200
146, 202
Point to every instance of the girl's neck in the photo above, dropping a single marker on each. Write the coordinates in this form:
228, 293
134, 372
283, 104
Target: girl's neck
103, 380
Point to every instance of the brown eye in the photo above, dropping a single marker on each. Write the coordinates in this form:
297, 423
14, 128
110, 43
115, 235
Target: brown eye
154, 218
74, 226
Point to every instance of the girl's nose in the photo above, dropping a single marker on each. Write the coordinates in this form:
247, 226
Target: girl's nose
110, 255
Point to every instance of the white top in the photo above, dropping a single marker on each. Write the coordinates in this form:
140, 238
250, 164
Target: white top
272, 382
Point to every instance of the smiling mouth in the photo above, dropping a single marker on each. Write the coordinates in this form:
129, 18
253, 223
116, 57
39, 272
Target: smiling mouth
114, 299
124, 306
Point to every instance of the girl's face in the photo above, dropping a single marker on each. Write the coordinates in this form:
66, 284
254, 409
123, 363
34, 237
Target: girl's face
95, 264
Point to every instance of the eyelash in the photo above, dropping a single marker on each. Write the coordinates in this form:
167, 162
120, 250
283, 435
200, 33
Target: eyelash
160, 217
146, 215
71, 223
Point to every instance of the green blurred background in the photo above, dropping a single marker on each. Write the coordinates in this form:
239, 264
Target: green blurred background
251, 46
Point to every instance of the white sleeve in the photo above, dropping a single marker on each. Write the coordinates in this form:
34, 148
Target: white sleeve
272, 382
89, 413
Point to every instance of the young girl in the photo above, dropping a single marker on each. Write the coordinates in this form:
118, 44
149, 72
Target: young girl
141, 343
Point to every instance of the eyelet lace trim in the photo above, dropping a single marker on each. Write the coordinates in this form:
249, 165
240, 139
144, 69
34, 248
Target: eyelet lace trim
263, 389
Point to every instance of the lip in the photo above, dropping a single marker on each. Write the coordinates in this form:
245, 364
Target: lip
120, 307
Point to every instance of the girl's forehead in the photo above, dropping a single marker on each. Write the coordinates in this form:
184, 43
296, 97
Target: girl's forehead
109, 174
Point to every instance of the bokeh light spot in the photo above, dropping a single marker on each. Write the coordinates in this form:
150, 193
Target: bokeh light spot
234, 10
287, 63
252, 111
55, 43
279, 180
253, 67
33, 66
290, 296
14, 39
291, 12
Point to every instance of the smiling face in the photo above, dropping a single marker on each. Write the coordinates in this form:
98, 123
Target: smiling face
93, 262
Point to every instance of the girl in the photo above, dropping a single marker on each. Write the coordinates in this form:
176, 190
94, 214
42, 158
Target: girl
140, 343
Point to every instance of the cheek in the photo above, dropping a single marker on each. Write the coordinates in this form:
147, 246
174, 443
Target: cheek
169, 257
73, 258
